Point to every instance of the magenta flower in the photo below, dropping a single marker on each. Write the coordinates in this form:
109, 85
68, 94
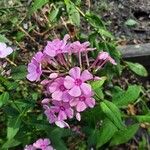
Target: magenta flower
76, 47
56, 46
63, 110
75, 83
106, 57
43, 144
58, 90
82, 102
4, 50
34, 71
29, 147
50, 114
35, 67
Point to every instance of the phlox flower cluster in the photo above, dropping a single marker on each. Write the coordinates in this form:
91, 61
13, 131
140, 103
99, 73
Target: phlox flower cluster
65, 70
42, 144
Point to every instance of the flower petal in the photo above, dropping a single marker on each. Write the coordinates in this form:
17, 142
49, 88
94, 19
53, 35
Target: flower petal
74, 102
86, 75
78, 116
75, 72
75, 91
86, 88
81, 106
57, 95
68, 82
90, 102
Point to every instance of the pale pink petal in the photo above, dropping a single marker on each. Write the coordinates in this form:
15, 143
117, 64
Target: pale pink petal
81, 106
74, 102
53, 75
46, 141
86, 75
53, 87
49, 148
62, 124
68, 82
78, 116
90, 102
75, 72
32, 77
57, 95
69, 113
75, 91
45, 101
62, 115
86, 88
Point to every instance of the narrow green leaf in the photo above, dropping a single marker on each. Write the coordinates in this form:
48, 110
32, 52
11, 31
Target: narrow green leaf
95, 21
13, 127
105, 133
98, 83
105, 33
73, 13
3, 39
112, 112
142, 118
37, 4
53, 14
10, 143
123, 136
123, 98
4, 97
137, 68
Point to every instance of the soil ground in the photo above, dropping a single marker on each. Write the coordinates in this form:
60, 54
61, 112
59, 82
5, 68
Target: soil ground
117, 12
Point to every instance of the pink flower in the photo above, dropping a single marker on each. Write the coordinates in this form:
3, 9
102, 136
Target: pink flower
34, 71
35, 67
82, 102
106, 57
50, 114
29, 147
56, 46
58, 90
76, 47
75, 83
63, 110
4, 50
43, 144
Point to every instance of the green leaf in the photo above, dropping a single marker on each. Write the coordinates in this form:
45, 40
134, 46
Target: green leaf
123, 98
105, 33
95, 21
98, 83
19, 72
10, 143
13, 127
137, 68
142, 118
112, 112
131, 22
4, 97
74, 15
53, 14
3, 39
123, 136
37, 4
105, 133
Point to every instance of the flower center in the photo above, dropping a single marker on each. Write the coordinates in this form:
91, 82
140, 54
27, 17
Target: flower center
78, 82
62, 108
62, 88
82, 98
